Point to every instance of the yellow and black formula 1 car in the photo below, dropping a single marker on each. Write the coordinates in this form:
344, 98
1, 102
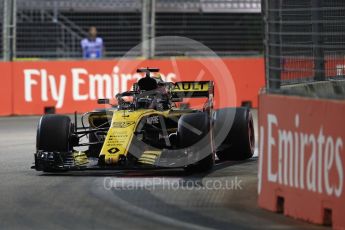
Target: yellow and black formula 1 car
147, 129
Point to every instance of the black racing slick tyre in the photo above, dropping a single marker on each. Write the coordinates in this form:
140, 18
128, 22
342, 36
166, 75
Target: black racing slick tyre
240, 141
54, 133
194, 133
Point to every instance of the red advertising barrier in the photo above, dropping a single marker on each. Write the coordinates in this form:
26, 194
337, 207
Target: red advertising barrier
70, 86
295, 68
6, 89
302, 158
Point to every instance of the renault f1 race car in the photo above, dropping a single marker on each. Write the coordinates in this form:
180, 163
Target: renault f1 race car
148, 128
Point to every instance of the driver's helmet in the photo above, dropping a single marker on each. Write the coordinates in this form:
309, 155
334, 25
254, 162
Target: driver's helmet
158, 78
160, 83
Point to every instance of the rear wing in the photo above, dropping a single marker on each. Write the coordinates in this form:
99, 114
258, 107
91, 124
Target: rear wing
190, 89
148, 71
187, 89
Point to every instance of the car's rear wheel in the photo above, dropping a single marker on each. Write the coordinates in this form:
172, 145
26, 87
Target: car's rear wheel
54, 134
240, 142
195, 135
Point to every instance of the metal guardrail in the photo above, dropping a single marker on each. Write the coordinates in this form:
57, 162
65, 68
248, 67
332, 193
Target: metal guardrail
242, 6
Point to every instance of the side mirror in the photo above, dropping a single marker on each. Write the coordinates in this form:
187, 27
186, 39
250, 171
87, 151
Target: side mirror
103, 101
177, 99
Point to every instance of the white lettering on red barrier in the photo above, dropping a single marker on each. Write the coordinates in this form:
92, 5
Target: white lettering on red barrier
293, 169
97, 85
46, 81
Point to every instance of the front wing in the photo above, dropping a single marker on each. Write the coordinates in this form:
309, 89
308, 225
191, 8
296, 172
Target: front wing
71, 161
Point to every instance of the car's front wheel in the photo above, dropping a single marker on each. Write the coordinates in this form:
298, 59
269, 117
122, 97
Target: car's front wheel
195, 135
54, 134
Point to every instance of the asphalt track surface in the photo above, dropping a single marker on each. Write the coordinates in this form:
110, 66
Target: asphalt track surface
222, 199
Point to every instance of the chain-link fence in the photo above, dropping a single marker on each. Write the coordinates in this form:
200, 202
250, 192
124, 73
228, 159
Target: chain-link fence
54, 28
1, 28
305, 43
225, 33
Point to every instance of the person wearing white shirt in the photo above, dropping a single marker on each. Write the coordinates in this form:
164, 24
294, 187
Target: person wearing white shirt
92, 46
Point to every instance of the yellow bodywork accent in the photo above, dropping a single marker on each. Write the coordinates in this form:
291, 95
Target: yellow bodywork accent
121, 132
152, 153
191, 87
152, 157
80, 158
149, 157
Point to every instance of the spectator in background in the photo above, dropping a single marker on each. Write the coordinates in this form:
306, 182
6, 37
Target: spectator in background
92, 46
